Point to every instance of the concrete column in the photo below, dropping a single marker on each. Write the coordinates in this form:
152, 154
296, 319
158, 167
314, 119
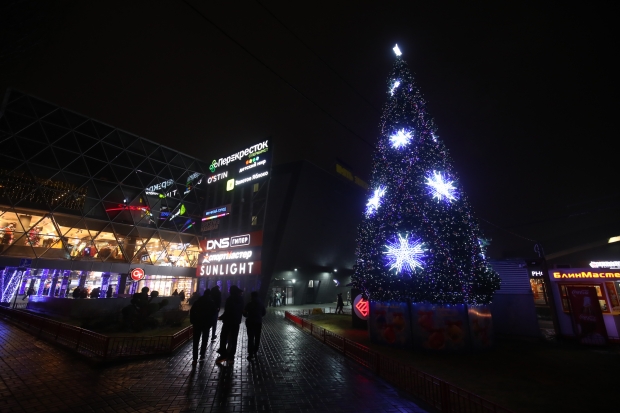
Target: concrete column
65, 283
22, 288
122, 283
82, 280
42, 277
55, 275
105, 281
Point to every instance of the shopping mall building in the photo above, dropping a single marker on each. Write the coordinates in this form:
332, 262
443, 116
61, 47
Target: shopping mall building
83, 203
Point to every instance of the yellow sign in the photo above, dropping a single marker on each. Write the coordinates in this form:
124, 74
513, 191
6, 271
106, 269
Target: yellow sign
230, 184
586, 274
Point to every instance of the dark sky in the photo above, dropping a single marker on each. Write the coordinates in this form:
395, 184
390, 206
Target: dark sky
523, 95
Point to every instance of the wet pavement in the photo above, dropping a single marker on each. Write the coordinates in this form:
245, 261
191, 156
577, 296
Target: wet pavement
293, 372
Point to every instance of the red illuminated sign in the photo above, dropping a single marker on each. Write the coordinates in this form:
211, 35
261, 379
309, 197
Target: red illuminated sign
362, 307
137, 274
129, 208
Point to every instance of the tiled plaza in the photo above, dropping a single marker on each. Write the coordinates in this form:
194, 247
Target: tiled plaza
292, 373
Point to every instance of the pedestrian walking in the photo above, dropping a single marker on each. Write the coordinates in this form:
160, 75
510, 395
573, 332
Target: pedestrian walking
231, 318
340, 304
275, 299
201, 317
216, 296
283, 297
254, 312
28, 293
175, 293
182, 296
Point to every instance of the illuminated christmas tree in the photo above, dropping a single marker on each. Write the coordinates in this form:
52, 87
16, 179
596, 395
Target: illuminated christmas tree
418, 239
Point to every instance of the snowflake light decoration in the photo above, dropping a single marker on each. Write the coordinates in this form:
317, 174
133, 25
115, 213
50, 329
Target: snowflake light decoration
375, 201
404, 254
394, 86
401, 138
440, 187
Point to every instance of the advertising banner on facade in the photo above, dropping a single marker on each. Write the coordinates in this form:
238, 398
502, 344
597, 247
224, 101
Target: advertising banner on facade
587, 316
232, 255
389, 324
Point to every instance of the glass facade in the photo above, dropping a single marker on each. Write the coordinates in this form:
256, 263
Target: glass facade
76, 190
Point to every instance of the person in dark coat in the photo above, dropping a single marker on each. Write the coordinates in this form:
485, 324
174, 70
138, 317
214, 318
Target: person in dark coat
201, 316
216, 296
95, 292
182, 296
110, 292
77, 292
231, 318
340, 304
254, 312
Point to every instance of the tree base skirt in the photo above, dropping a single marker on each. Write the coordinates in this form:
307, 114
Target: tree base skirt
451, 328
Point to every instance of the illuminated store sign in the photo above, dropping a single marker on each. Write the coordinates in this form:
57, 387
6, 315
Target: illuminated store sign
235, 255
237, 241
585, 274
252, 163
252, 151
605, 264
129, 208
227, 256
536, 273
137, 274
251, 178
361, 306
217, 177
235, 268
217, 212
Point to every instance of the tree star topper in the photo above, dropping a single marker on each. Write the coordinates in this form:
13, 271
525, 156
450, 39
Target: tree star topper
375, 201
405, 254
400, 138
396, 50
440, 188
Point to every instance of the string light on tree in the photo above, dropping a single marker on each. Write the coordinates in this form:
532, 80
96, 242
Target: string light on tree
413, 185
440, 187
404, 254
401, 138
375, 201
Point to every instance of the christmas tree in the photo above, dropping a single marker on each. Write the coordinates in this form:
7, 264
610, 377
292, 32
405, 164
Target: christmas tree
418, 240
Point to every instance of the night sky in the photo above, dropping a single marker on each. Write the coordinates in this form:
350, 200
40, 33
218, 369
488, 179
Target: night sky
523, 95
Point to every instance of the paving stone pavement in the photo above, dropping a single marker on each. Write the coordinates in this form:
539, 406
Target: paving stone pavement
292, 373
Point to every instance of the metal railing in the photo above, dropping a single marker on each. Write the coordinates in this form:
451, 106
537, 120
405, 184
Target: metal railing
439, 394
320, 310
91, 344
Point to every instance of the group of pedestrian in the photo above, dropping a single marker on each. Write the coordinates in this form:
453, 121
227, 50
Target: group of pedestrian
181, 295
204, 316
277, 299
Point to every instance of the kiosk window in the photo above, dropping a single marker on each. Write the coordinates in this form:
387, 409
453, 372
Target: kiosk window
601, 298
